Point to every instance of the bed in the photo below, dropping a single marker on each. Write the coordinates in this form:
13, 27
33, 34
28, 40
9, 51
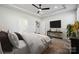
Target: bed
27, 44
31, 43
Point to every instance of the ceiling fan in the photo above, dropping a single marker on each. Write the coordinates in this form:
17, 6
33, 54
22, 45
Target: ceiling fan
40, 8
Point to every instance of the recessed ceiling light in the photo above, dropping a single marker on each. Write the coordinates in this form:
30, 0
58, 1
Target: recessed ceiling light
56, 7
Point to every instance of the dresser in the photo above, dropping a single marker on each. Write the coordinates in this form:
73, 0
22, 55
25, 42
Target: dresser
55, 34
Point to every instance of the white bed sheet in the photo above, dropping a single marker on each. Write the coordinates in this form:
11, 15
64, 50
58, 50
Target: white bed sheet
37, 43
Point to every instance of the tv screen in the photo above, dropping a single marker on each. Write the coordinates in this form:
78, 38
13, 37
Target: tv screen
55, 24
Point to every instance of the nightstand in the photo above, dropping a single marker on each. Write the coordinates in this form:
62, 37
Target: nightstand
75, 45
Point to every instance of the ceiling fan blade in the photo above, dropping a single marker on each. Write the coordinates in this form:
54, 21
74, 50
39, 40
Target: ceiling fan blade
35, 6
45, 8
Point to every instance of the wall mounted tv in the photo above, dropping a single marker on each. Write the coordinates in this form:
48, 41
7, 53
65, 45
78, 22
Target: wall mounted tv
55, 24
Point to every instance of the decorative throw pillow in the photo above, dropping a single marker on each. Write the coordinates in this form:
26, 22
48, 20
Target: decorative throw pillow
13, 39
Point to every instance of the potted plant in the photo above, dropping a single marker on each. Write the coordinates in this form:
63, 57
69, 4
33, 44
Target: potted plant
73, 30
69, 30
76, 26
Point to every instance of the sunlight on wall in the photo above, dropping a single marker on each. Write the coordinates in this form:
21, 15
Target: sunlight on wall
23, 25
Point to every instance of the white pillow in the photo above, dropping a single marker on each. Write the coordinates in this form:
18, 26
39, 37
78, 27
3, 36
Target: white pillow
22, 44
13, 39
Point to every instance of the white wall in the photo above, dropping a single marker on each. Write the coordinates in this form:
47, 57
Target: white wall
65, 17
15, 20
78, 13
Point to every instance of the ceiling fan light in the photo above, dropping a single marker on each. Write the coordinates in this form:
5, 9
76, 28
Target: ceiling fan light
40, 10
